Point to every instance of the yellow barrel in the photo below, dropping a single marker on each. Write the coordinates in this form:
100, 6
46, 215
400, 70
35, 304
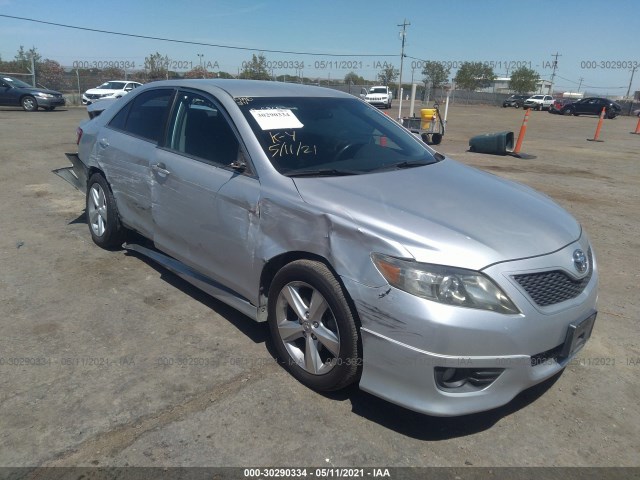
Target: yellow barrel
428, 115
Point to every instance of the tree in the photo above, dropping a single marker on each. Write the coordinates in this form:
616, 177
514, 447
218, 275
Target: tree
256, 68
435, 74
524, 80
388, 75
112, 73
156, 65
51, 75
199, 72
23, 58
352, 78
474, 75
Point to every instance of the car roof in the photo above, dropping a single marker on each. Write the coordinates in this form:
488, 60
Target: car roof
253, 88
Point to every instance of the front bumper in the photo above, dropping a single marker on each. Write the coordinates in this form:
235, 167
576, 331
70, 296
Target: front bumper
50, 102
406, 340
378, 102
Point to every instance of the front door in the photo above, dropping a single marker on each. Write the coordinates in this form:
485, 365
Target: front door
206, 212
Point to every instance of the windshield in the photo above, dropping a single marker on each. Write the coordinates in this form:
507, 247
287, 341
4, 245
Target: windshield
14, 82
330, 136
112, 86
378, 90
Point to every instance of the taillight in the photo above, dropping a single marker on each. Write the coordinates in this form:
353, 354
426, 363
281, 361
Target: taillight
78, 135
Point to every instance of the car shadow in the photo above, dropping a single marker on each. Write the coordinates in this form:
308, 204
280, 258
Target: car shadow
429, 428
257, 332
82, 218
393, 417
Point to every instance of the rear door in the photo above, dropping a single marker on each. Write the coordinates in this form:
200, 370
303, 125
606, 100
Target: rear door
205, 211
125, 149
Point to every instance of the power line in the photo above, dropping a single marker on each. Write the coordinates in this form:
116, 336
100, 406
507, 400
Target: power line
187, 42
588, 86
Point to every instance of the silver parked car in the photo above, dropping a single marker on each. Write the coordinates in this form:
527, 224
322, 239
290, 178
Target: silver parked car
373, 258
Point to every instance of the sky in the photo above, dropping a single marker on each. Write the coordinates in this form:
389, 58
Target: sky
597, 40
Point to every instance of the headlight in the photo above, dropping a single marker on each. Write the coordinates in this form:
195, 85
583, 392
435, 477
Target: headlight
448, 285
43, 95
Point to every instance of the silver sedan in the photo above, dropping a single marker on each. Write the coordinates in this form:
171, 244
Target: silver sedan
373, 258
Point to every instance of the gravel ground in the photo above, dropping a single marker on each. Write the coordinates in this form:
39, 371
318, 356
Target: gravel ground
88, 336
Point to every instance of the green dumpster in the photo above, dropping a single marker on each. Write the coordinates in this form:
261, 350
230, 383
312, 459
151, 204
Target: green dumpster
499, 143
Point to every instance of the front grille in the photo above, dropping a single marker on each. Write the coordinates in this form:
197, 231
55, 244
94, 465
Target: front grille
549, 288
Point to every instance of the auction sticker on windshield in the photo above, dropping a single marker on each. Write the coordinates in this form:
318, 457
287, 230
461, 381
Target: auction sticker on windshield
276, 119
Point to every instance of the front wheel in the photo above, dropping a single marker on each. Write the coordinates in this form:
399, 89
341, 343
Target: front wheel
29, 104
103, 219
313, 326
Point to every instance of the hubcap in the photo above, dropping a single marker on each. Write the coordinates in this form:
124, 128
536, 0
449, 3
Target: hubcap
307, 328
97, 207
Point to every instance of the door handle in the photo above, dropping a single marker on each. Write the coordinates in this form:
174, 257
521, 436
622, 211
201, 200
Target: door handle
160, 168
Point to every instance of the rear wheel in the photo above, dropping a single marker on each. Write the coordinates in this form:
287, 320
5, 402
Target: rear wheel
102, 212
29, 104
569, 111
313, 326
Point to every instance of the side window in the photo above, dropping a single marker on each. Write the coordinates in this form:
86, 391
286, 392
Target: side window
199, 129
146, 115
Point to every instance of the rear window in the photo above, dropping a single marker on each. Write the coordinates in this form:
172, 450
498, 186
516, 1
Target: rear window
146, 115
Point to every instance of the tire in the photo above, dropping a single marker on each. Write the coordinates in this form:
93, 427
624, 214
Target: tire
539, 108
313, 326
29, 103
569, 111
436, 138
102, 214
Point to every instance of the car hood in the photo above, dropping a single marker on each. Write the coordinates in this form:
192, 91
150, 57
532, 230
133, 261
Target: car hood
102, 91
40, 90
447, 213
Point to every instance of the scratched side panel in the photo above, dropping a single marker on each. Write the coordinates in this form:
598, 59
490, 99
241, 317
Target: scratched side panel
125, 161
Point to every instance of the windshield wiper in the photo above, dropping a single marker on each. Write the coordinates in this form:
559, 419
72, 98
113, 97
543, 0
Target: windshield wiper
410, 164
327, 172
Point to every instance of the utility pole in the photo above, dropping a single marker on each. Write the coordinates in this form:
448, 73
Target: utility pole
555, 65
633, 70
33, 69
580, 85
404, 28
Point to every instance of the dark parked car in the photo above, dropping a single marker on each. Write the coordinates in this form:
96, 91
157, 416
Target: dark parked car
559, 103
592, 106
515, 101
16, 93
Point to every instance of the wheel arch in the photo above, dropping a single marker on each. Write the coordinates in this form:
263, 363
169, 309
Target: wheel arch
25, 95
273, 266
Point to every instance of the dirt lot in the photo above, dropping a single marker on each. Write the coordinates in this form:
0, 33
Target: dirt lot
107, 359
